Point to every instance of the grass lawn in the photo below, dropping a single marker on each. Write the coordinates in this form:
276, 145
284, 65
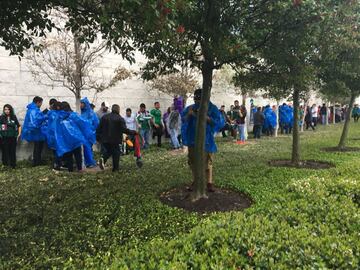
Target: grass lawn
300, 219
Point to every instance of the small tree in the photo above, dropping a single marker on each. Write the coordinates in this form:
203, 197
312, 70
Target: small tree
64, 61
284, 67
339, 61
180, 83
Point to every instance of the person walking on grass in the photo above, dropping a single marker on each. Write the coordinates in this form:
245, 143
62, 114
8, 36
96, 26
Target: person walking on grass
259, 119
356, 113
90, 116
240, 121
314, 114
157, 123
10, 132
309, 119
110, 134
143, 118
31, 132
174, 127
323, 113
214, 123
227, 122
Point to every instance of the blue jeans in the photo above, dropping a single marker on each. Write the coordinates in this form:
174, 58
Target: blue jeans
145, 134
174, 138
241, 129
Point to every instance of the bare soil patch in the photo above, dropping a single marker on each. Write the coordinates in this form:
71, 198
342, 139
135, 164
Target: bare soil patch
304, 164
222, 200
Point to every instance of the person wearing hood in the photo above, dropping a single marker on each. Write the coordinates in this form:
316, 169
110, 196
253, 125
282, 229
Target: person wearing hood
32, 132
10, 131
188, 128
270, 120
90, 116
71, 132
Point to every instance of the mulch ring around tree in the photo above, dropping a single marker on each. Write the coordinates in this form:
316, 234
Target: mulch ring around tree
304, 164
222, 200
342, 149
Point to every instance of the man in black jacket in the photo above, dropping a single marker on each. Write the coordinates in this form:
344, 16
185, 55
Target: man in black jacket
110, 134
259, 119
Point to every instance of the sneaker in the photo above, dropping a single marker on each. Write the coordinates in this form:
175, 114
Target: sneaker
210, 187
101, 164
139, 162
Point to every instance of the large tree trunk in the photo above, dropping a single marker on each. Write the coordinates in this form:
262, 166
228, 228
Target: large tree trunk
295, 158
78, 75
200, 161
345, 130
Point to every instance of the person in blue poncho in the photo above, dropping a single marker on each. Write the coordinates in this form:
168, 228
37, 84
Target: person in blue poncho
285, 118
90, 116
270, 120
67, 132
214, 124
32, 132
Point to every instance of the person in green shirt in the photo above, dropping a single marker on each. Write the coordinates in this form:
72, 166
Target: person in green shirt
10, 131
143, 118
157, 123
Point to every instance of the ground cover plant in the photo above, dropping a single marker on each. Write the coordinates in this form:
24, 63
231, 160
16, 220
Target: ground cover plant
300, 218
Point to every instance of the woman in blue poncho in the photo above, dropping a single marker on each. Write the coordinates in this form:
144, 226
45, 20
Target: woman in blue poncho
188, 128
31, 131
90, 117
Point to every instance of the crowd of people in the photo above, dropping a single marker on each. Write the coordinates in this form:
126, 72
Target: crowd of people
71, 136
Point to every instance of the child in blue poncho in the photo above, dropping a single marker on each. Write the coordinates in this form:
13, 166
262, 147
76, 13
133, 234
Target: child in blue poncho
91, 118
31, 132
188, 128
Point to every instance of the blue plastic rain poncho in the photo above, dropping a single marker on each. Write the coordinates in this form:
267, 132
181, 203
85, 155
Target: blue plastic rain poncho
290, 112
284, 115
188, 127
90, 117
67, 131
270, 118
32, 128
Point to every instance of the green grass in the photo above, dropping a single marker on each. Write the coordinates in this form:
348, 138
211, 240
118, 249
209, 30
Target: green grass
301, 218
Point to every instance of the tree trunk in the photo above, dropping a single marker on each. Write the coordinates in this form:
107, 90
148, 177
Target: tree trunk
295, 158
345, 130
78, 75
303, 116
277, 118
199, 150
327, 114
77, 102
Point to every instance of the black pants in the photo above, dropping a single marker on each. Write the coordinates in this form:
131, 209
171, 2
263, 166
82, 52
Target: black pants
158, 132
69, 161
356, 118
310, 124
314, 120
38, 147
57, 161
8, 148
225, 128
112, 150
257, 131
